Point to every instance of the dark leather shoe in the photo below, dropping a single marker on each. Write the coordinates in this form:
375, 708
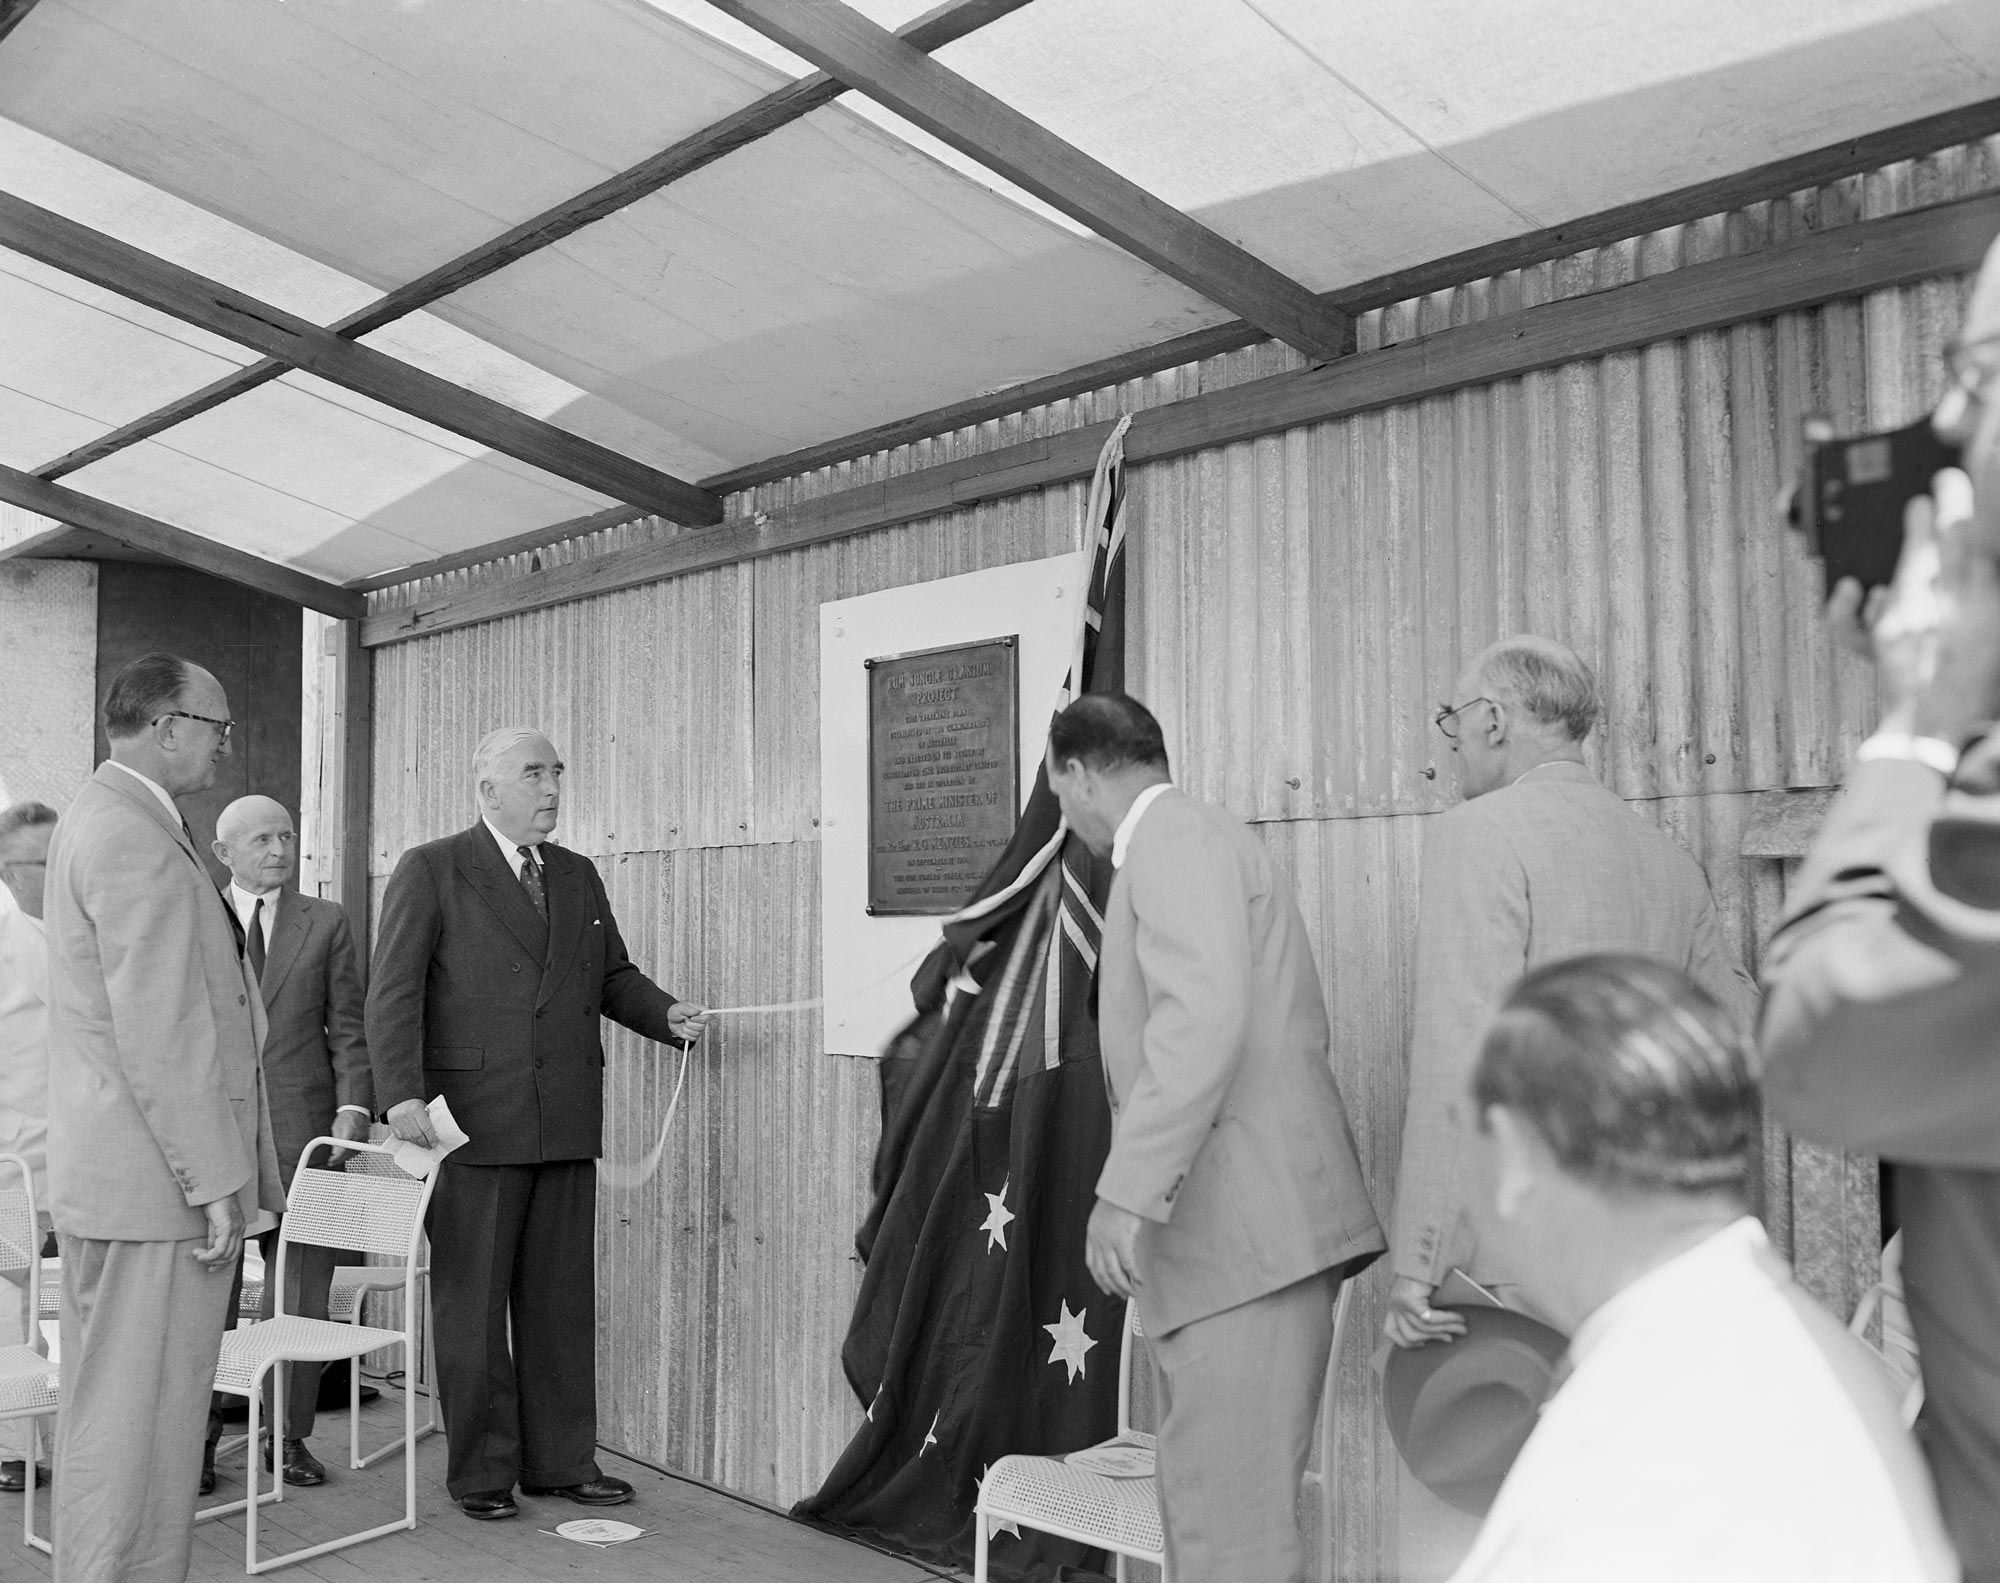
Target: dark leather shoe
14, 1476
301, 1466
598, 1492
207, 1484
489, 1505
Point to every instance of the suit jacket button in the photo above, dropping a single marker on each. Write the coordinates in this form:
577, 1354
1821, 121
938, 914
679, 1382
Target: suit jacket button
242, 1000
514, 967
538, 1063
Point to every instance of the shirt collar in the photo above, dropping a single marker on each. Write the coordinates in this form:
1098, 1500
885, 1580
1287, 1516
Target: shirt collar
1667, 1287
159, 791
1121, 842
1557, 770
245, 901
507, 848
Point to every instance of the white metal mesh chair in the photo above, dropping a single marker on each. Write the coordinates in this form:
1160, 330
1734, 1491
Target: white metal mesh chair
1121, 1515
346, 1304
28, 1385
367, 1211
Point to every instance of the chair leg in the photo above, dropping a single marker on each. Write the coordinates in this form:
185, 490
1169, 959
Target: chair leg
979, 1542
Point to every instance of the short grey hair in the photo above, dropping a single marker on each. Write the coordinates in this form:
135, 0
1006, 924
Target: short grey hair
25, 816
496, 743
1544, 680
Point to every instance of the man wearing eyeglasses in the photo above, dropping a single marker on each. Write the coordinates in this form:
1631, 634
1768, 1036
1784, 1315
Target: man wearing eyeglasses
1537, 863
25, 829
159, 1137
1882, 1033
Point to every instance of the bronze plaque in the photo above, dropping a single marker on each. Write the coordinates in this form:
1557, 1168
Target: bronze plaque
944, 773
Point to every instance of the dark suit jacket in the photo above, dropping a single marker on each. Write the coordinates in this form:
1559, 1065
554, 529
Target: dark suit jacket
315, 1055
1881, 1034
474, 997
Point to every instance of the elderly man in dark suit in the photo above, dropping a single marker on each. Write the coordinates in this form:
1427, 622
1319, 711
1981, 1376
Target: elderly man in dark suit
316, 1072
497, 956
1232, 1203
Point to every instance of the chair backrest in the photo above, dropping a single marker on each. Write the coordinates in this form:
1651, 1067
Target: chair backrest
364, 1208
20, 1230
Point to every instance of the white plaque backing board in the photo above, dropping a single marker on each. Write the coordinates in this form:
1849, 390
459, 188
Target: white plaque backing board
866, 962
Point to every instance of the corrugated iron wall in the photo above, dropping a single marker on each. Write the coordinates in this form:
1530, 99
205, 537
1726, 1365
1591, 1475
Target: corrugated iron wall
1301, 603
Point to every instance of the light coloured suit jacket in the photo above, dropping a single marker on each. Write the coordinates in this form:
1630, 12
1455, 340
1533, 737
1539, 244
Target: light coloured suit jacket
1551, 867
156, 1103
315, 1056
1228, 1133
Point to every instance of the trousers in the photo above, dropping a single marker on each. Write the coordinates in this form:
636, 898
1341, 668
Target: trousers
141, 1328
1239, 1393
513, 1281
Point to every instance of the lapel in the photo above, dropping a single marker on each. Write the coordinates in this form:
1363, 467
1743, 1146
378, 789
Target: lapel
113, 776
480, 861
291, 927
569, 901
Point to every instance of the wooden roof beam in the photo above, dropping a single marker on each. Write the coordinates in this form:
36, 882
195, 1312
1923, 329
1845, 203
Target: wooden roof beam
117, 266
142, 532
838, 39
932, 30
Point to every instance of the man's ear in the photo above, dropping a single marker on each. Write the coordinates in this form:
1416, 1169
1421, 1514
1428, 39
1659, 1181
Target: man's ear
1497, 729
220, 848
1521, 1157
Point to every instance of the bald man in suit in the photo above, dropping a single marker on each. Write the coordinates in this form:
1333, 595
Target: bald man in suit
1232, 1203
316, 1071
159, 1137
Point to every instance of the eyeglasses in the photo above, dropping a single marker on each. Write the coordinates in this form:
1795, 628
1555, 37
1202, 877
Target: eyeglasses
1973, 365
1446, 719
224, 726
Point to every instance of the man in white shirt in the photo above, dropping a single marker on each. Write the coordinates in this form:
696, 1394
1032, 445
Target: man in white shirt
25, 829
1715, 1422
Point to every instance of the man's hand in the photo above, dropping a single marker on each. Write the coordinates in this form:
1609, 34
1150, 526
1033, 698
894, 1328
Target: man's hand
1411, 1321
1111, 1249
687, 1022
225, 1235
1934, 632
411, 1121
350, 1126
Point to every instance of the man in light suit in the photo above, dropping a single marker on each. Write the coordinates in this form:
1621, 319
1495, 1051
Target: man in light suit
496, 958
1882, 1024
301, 951
1539, 862
1232, 1203
159, 1140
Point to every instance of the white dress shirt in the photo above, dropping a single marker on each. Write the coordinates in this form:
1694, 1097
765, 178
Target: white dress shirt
153, 786
1121, 839
1717, 1426
245, 903
24, 1048
510, 850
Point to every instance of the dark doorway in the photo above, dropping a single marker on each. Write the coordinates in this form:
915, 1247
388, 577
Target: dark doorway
250, 640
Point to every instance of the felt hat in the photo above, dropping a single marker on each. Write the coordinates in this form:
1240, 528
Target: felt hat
1460, 1411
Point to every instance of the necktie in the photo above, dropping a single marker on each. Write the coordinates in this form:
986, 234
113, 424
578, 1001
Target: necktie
256, 940
531, 880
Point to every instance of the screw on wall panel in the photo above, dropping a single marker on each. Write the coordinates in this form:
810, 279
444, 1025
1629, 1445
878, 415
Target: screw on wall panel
1292, 781
1430, 774
1708, 758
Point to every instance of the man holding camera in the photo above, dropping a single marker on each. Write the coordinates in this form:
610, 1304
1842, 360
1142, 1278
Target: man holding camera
1882, 1023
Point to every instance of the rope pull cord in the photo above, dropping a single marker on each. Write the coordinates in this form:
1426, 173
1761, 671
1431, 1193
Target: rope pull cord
625, 1176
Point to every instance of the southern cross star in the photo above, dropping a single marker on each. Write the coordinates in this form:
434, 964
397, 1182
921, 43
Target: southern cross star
998, 1215
1071, 1341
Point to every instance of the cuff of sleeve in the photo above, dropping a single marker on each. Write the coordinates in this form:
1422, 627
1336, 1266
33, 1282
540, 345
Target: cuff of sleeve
1135, 1198
359, 1110
1932, 752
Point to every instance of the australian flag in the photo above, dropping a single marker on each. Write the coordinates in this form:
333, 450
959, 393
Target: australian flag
979, 1332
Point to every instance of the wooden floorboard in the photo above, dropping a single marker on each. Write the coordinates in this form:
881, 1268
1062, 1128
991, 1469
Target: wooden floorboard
696, 1535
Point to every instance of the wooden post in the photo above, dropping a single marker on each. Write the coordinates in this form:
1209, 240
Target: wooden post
349, 777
